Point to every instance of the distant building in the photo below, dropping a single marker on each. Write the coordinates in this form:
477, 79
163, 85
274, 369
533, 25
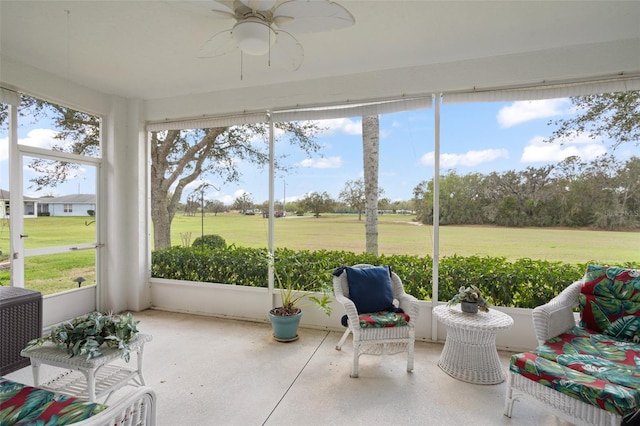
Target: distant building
30, 205
67, 205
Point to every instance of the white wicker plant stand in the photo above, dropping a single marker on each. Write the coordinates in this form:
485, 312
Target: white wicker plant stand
99, 376
470, 352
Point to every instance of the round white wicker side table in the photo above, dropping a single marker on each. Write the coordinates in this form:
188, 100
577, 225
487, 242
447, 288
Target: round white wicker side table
470, 352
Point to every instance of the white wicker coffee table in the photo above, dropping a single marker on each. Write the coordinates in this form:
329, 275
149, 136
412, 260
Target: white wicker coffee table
469, 352
100, 376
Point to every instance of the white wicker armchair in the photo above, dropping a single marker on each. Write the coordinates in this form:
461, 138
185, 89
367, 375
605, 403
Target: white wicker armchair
376, 341
556, 316
550, 320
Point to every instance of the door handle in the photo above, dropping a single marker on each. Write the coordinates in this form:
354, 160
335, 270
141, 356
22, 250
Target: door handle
24, 236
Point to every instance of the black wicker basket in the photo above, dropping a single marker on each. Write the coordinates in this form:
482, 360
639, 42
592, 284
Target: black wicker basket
20, 322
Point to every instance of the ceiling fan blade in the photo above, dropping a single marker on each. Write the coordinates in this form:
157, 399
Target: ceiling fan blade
259, 4
210, 8
286, 52
218, 45
310, 16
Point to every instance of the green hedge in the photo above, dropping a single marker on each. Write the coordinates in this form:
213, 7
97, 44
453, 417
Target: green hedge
524, 283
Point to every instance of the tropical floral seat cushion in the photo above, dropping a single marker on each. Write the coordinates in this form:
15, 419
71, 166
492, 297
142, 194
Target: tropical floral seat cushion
609, 301
394, 317
588, 388
22, 405
383, 320
601, 356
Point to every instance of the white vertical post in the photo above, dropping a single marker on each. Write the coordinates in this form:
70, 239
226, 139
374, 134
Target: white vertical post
436, 218
16, 203
271, 239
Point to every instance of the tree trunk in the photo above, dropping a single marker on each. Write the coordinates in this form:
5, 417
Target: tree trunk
370, 152
161, 223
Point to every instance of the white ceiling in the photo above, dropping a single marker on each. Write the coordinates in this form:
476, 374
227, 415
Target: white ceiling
148, 49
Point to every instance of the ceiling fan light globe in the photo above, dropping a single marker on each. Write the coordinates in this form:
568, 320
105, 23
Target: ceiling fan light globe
254, 37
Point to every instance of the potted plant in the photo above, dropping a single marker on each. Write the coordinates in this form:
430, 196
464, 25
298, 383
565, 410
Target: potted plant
470, 300
294, 295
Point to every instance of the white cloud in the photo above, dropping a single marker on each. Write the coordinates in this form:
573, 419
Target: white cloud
322, 163
523, 111
341, 125
469, 158
539, 151
41, 138
189, 188
228, 199
293, 198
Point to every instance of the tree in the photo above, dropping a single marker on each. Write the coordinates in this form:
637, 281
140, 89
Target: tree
215, 207
615, 116
317, 203
82, 130
370, 154
178, 157
423, 201
243, 203
384, 204
353, 195
192, 205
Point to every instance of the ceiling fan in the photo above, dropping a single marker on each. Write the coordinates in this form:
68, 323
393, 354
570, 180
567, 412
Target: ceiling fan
265, 26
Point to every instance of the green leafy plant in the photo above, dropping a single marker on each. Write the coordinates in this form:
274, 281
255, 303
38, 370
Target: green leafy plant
521, 283
294, 289
291, 298
211, 241
86, 334
470, 294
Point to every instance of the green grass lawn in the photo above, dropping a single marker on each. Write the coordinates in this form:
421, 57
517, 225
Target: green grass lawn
397, 235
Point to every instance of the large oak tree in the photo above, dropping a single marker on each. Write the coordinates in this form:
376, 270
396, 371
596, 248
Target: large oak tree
178, 157
615, 116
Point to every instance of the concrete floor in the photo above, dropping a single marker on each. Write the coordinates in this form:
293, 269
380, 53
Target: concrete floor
210, 371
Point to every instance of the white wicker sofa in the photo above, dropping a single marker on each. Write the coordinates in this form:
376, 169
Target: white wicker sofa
587, 373
22, 405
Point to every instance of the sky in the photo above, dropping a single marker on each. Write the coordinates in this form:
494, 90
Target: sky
475, 137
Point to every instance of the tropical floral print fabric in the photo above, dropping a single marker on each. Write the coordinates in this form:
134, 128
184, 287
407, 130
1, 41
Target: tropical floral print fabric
22, 405
598, 361
610, 301
599, 355
383, 319
608, 396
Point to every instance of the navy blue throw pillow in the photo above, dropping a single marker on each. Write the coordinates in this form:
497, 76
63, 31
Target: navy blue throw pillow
370, 288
